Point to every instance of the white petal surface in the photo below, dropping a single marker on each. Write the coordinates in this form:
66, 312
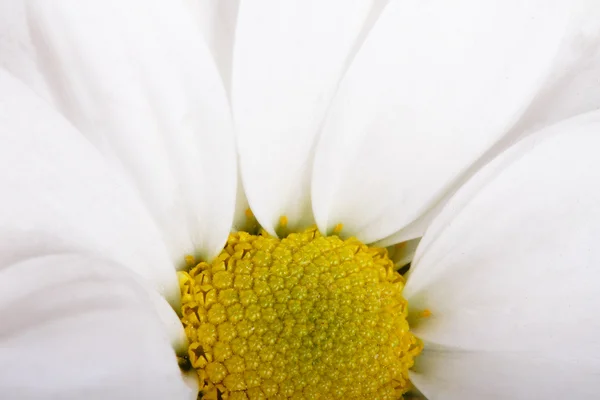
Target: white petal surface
137, 79
217, 21
58, 195
510, 273
75, 327
288, 59
436, 87
572, 86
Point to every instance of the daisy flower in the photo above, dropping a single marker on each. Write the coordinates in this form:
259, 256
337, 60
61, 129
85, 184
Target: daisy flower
225, 198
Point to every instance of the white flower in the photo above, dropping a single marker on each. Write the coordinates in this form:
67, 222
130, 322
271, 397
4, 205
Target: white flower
117, 157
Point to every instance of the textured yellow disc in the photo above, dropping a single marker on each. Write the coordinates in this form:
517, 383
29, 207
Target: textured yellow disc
306, 317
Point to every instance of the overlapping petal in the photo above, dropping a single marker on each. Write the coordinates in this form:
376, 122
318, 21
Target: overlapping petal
58, 195
288, 59
217, 20
75, 326
137, 79
509, 272
434, 92
82, 268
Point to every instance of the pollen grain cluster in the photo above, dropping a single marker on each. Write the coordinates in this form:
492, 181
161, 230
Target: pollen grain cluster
306, 317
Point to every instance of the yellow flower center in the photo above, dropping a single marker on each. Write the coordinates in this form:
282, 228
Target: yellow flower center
307, 316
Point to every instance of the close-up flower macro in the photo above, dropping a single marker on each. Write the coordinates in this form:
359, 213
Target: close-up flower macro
334, 199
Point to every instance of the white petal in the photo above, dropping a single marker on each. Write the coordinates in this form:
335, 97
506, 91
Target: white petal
509, 272
76, 327
58, 195
436, 87
217, 20
288, 59
403, 253
572, 86
137, 79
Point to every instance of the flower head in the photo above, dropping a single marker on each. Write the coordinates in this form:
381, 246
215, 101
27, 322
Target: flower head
124, 125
